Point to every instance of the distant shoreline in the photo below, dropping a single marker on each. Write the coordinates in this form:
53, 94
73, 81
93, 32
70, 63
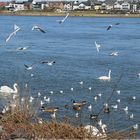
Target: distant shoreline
72, 14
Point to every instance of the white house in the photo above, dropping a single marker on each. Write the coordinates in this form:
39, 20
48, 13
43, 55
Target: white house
16, 6
81, 6
117, 6
68, 6
125, 6
75, 5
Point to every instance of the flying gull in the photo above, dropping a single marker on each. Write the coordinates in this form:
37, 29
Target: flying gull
61, 21
109, 27
38, 29
97, 46
16, 29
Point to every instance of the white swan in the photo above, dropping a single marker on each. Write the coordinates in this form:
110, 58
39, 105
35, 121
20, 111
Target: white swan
93, 130
7, 90
106, 78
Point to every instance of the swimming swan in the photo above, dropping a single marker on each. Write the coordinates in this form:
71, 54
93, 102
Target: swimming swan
7, 90
106, 78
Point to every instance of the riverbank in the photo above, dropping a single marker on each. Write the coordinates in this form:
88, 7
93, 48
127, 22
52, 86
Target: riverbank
72, 13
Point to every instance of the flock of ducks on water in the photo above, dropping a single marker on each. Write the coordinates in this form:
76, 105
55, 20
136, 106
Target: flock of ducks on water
6, 91
76, 106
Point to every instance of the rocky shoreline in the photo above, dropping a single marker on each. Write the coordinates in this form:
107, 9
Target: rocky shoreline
73, 14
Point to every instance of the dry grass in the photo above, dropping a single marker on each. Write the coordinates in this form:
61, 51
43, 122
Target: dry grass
22, 125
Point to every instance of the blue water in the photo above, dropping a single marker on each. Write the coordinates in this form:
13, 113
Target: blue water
71, 46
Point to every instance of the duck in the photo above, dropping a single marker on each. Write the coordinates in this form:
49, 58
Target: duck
106, 108
49, 109
76, 107
79, 103
106, 78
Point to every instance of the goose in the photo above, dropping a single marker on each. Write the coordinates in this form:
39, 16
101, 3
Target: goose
7, 90
106, 78
16, 29
77, 107
38, 29
61, 21
109, 27
49, 109
97, 46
